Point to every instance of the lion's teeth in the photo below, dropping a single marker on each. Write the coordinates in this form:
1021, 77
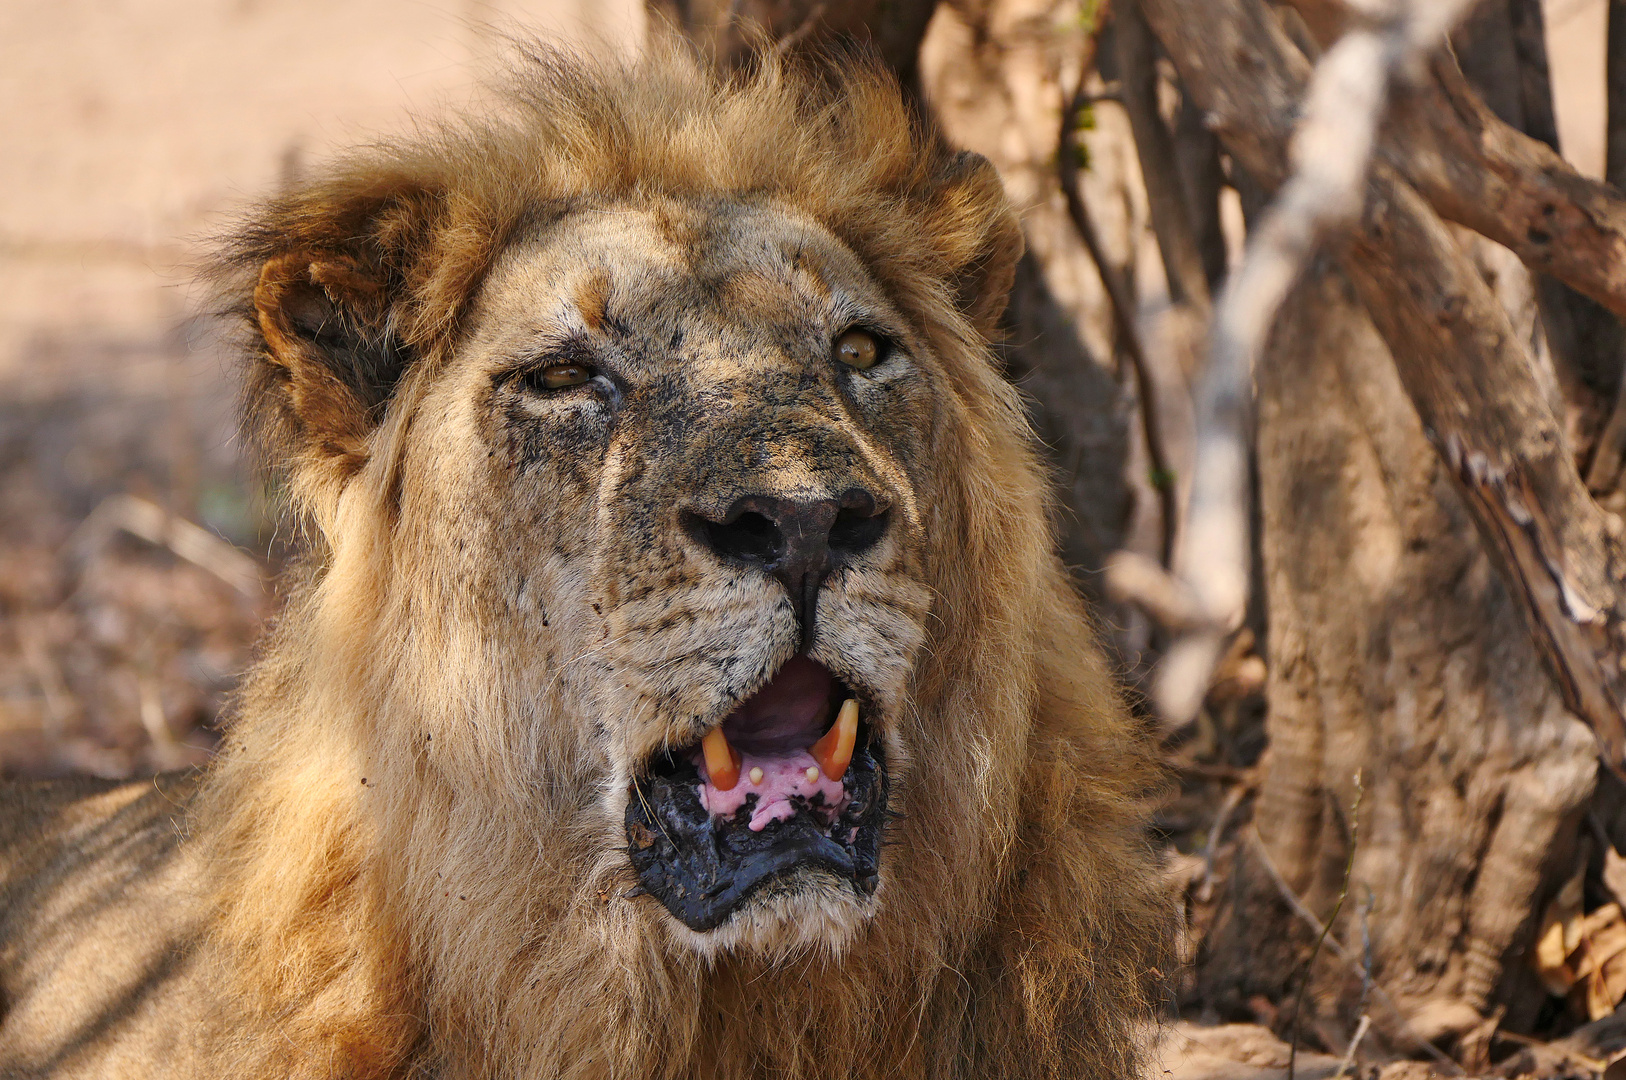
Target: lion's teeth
756, 775
722, 761
834, 751
812, 774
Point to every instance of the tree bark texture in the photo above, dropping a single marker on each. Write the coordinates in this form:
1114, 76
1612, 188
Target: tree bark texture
1397, 653
1472, 381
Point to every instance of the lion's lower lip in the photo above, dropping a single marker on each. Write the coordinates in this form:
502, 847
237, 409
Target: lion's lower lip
702, 868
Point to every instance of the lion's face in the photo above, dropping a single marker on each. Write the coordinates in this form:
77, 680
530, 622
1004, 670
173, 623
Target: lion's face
681, 682
694, 449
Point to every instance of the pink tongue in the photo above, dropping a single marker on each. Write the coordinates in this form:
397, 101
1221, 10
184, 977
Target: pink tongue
772, 730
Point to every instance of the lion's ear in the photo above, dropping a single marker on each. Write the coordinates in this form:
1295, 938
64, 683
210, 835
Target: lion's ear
978, 232
338, 312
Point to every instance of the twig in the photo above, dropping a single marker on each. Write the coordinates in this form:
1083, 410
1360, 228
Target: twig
1378, 993
1354, 1044
1233, 799
1331, 153
803, 30
1343, 891
1122, 304
155, 525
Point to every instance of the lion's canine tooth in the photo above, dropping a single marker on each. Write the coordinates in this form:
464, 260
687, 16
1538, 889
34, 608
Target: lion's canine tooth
722, 761
834, 751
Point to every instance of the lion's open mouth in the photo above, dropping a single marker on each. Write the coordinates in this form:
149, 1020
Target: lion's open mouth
790, 781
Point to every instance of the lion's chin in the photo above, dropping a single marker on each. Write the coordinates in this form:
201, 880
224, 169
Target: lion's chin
813, 912
773, 860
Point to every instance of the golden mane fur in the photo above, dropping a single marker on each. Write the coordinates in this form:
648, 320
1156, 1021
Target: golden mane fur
409, 866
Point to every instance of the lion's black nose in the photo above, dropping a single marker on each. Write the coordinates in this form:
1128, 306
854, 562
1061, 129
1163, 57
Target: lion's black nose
797, 541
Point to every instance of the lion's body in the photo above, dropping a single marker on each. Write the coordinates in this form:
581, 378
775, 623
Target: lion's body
410, 857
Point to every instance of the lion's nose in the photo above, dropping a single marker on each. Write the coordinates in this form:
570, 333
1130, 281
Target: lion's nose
797, 541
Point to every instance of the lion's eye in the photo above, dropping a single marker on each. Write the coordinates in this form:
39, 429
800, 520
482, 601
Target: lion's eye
859, 349
560, 376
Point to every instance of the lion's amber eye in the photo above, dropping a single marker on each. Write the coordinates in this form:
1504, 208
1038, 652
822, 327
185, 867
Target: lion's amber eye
859, 349
559, 376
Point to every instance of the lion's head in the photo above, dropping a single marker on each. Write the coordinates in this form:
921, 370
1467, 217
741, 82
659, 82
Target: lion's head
683, 607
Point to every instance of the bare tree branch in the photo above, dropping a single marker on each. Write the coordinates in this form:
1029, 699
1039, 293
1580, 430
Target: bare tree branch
1603, 473
1614, 169
1330, 156
1474, 388
1470, 378
1479, 172
1160, 171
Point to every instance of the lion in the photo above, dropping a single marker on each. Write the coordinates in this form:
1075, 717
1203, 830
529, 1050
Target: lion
679, 681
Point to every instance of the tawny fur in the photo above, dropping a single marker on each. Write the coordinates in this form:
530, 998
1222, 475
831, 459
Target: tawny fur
413, 862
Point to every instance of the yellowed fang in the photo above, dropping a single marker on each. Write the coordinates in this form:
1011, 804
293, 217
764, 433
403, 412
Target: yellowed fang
834, 750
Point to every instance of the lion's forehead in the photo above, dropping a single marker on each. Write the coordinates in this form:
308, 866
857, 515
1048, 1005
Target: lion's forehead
727, 286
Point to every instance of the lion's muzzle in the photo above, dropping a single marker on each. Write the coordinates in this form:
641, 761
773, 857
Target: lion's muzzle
779, 790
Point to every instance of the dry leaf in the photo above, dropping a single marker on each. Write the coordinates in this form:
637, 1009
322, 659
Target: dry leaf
1601, 960
1561, 932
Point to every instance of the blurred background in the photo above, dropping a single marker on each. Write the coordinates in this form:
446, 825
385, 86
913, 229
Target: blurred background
132, 133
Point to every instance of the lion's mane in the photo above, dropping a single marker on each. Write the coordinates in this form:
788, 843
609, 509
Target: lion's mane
407, 888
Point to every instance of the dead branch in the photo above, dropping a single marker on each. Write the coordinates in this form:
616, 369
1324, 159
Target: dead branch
1159, 168
154, 524
1614, 170
1474, 388
1608, 455
1479, 172
1135, 579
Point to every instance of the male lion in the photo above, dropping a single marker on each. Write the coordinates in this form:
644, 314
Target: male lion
681, 683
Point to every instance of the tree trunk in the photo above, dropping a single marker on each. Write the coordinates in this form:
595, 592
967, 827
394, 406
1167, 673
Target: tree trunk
1396, 654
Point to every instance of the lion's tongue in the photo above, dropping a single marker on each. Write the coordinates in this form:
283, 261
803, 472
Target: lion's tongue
772, 731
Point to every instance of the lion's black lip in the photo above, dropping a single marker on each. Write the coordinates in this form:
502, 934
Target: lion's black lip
703, 868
